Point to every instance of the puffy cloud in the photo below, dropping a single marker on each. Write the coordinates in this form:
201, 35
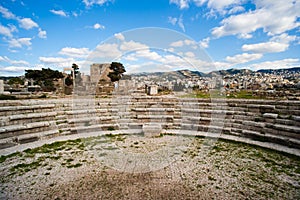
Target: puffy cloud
276, 64
172, 20
98, 26
14, 62
19, 43
6, 13
178, 21
220, 6
119, 36
59, 12
285, 13
5, 31
182, 4
243, 58
27, 23
181, 43
189, 54
205, 42
236, 9
59, 61
107, 51
265, 47
14, 69
276, 44
132, 45
75, 52
178, 43
42, 34
97, 2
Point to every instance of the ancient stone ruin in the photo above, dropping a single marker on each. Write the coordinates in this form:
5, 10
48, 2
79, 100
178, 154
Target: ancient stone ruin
268, 123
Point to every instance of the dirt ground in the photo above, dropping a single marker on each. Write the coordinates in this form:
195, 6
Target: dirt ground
87, 169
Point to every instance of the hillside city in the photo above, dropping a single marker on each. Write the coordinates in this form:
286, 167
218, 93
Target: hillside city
281, 83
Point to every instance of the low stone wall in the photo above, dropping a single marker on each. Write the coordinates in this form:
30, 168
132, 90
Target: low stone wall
269, 121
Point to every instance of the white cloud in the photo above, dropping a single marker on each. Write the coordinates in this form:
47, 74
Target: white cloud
178, 21
98, 26
278, 43
19, 43
181, 43
27, 23
276, 64
147, 54
132, 46
243, 58
13, 69
59, 61
182, 4
3, 58
6, 13
14, 62
190, 54
59, 12
205, 42
5, 31
178, 43
42, 34
285, 13
236, 9
172, 20
220, 6
265, 47
97, 2
107, 51
119, 36
75, 52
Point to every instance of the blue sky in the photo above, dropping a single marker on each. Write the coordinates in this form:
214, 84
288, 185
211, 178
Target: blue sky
196, 34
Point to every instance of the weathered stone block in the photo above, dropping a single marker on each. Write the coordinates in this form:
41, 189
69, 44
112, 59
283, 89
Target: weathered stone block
270, 115
152, 130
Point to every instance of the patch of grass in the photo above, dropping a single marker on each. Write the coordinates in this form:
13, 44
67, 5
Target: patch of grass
24, 167
75, 165
69, 160
243, 94
3, 158
111, 128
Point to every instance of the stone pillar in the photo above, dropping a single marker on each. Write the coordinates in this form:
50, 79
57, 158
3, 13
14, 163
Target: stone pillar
1, 86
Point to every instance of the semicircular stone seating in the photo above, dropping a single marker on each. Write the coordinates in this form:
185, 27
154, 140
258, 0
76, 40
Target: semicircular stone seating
269, 123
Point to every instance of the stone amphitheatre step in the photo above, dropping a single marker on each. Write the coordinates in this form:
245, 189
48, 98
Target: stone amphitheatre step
7, 142
293, 129
92, 120
92, 128
13, 110
270, 145
15, 130
287, 141
27, 118
12, 141
36, 136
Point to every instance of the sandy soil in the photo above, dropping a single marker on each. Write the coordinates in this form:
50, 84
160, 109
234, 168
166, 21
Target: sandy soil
80, 169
